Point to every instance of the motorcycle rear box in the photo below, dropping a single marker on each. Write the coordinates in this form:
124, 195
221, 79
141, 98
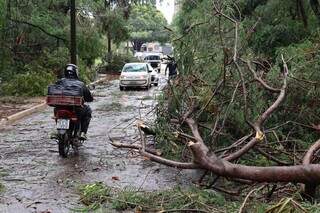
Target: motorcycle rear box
64, 95
65, 90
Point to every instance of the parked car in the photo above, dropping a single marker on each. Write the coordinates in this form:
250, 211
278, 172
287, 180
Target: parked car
154, 60
139, 56
135, 75
154, 76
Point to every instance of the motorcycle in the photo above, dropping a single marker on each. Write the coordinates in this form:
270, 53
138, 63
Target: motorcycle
68, 124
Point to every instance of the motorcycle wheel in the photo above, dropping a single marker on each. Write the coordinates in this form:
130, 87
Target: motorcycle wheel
64, 146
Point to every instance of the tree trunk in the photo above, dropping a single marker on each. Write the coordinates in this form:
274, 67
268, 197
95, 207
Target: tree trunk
316, 8
302, 13
137, 45
8, 15
127, 47
297, 174
309, 189
73, 44
109, 47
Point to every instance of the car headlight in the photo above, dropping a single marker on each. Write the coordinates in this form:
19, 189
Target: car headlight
122, 77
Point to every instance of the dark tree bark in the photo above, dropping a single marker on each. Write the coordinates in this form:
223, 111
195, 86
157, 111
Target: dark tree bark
107, 5
316, 8
302, 13
8, 15
73, 40
109, 47
137, 44
309, 189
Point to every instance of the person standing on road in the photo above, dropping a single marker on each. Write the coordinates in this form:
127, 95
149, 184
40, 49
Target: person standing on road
172, 67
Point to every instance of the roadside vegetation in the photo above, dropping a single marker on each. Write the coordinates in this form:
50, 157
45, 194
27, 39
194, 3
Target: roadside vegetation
98, 197
35, 40
244, 107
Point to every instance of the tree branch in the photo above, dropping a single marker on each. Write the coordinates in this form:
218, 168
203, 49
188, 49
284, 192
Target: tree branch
40, 28
154, 156
301, 173
263, 83
310, 189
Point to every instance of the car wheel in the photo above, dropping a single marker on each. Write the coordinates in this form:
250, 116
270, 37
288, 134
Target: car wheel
121, 88
155, 84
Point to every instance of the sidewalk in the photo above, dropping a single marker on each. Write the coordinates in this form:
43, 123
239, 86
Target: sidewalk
15, 108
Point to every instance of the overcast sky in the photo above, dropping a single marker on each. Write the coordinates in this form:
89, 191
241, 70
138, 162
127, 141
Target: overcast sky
167, 8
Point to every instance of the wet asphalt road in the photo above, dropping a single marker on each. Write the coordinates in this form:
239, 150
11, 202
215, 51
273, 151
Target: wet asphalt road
37, 179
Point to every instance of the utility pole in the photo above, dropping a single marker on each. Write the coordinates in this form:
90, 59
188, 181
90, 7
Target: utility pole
73, 42
107, 5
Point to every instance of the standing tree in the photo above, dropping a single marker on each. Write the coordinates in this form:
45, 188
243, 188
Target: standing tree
35, 40
115, 26
113, 19
146, 24
73, 33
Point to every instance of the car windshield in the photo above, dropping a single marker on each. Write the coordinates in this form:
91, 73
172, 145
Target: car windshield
135, 68
152, 57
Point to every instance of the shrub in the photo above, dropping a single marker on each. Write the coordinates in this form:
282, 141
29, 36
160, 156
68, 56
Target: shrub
28, 84
116, 63
93, 195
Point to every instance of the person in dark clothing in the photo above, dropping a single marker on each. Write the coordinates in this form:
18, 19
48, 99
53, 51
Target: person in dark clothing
72, 80
172, 67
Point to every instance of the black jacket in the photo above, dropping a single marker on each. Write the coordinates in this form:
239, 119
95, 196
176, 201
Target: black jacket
71, 82
172, 66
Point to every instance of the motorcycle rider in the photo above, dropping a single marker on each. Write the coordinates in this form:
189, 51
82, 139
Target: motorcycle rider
71, 77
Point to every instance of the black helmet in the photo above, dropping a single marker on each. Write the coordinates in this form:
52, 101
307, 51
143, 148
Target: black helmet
71, 71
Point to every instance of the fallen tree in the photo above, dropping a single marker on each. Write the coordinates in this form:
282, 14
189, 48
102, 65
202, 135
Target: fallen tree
255, 88
306, 173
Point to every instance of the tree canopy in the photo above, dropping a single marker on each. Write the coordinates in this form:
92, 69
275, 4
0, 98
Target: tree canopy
32, 35
146, 24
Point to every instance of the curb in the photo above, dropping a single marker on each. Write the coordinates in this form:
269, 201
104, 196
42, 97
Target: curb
97, 82
37, 108
12, 118
101, 80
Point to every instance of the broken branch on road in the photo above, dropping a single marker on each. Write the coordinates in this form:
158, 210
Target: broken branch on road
203, 157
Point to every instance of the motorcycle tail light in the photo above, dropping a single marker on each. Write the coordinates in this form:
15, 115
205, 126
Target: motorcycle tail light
66, 114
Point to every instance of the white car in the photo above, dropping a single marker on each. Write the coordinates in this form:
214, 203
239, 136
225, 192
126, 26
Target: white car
154, 60
135, 75
139, 56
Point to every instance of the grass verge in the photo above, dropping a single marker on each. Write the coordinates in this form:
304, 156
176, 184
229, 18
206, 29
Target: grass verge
96, 196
